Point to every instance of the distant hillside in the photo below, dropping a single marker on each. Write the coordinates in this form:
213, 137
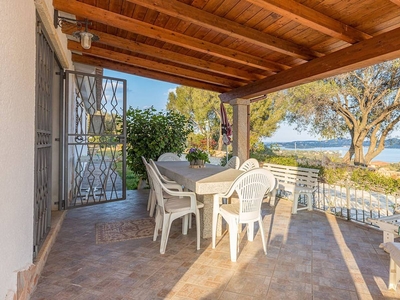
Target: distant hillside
390, 143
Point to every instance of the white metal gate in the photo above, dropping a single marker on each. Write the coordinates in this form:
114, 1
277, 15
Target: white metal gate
94, 139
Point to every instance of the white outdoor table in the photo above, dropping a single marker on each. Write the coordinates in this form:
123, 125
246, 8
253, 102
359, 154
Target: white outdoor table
205, 182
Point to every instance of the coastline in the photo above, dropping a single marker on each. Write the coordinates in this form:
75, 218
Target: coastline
388, 155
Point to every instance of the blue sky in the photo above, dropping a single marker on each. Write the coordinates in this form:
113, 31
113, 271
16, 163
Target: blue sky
144, 92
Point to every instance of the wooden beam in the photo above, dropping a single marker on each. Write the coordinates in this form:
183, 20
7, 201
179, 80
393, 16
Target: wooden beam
311, 18
397, 2
136, 47
202, 18
103, 63
125, 23
152, 65
375, 50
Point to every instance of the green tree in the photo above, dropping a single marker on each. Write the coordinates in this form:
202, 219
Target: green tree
202, 107
265, 116
150, 133
363, 104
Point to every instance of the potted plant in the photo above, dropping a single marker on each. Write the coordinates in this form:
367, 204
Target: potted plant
197, 157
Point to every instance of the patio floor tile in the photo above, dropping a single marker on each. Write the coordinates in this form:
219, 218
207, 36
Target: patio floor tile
311, 255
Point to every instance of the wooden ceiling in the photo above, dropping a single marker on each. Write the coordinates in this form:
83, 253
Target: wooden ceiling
241, 49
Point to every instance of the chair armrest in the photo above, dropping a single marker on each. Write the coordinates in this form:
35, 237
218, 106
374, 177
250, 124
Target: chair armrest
227, 194
191, 195
173, 186
167, 180
179, 193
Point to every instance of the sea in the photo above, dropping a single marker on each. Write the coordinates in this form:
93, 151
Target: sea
389, 155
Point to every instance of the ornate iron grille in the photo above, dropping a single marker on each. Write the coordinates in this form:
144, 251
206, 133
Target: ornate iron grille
43, 139
95, 140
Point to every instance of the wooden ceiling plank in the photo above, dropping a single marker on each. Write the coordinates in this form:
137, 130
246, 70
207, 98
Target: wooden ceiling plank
132, 25
156, 52
115, 6
397, 2
103, 63
152, 65
207, 20
375, 50
313, 19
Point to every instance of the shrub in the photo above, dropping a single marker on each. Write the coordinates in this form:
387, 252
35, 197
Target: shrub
282, 160
368, 180
224, 160
333, 175
150, 133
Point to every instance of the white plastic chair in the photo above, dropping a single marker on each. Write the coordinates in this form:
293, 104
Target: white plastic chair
164, 179
249, 164
151, 202
180, 204
250, 187
171, 184
168, 156
233, 163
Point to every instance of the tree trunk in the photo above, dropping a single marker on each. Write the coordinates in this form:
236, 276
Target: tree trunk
349, 155
373, 153
359, 155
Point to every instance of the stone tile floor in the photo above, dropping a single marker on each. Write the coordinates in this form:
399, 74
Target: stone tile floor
311, 255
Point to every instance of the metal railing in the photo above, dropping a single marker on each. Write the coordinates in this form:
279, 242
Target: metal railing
354, 204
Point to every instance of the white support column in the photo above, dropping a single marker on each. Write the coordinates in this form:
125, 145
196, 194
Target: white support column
241, 128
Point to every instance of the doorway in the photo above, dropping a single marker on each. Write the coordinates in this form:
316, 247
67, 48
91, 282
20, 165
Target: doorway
94, 139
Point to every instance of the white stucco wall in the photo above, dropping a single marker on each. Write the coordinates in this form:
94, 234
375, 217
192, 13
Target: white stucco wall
17, 134
17, 107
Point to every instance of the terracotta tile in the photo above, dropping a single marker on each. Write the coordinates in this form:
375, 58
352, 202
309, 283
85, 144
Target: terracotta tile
311, 255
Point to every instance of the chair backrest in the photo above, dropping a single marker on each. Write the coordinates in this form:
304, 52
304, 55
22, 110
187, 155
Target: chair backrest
233, 163
144, 160
153, 164
249, 164
168, 156
156, 185
146, 164
251, 187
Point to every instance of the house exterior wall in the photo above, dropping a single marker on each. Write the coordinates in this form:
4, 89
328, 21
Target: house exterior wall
17, 134
17, 123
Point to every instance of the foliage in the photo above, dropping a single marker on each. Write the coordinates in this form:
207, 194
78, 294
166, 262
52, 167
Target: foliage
197, 154
282, 160
132, 179
201, 141
363, 104
262, 153
224, 160
204, 109
265, 116
367, 180
151, 133
333, 175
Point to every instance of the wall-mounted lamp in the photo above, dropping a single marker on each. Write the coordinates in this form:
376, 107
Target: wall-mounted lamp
84, 36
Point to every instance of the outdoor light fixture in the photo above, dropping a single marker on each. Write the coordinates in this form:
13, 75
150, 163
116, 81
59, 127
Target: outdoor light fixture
86, 38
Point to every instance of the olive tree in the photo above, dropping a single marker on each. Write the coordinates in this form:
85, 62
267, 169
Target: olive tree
363, 104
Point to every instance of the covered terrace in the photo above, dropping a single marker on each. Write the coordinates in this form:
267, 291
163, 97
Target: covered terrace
243, 49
